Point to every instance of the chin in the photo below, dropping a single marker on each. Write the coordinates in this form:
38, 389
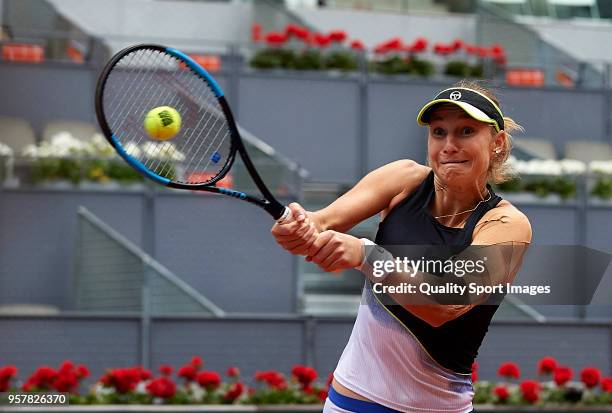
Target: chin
455, 173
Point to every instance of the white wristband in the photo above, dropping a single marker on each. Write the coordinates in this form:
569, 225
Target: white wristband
376, 254
364, 242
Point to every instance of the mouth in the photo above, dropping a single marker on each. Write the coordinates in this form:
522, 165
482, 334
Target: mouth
452, 162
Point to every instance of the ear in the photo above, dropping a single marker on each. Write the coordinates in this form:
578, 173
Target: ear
499, 141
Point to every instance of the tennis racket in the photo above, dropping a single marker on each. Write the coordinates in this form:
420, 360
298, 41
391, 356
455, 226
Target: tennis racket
144, 77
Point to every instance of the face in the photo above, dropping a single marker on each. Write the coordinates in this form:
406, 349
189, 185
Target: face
460, 147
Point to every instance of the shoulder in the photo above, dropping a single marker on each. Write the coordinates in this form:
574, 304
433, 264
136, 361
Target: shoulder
404, 170
503, 223
406, 175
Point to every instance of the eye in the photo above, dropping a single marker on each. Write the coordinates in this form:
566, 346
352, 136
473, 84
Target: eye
467, 130
437, 132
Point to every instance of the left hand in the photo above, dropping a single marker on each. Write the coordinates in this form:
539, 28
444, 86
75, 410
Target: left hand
334, 251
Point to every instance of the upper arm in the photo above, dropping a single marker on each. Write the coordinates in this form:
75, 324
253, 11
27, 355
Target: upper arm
505, 233
370, 195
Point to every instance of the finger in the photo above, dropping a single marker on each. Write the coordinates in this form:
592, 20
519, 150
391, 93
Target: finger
334, 255
302, 249
337, 266
297, 211
321, 239
285, 229
324, 252
306, 239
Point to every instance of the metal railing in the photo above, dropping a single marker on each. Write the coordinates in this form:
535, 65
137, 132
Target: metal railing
114, 275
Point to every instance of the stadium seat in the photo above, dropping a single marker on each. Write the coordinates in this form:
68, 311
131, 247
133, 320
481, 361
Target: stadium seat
28, 309
525, 77
80, 130
21, 52
75, 55
211, 63
587, 151
538, 147
16, 133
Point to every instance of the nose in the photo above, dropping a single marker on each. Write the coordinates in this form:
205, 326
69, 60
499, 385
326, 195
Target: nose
450, 145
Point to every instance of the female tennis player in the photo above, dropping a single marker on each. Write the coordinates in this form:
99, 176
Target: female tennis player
406, 353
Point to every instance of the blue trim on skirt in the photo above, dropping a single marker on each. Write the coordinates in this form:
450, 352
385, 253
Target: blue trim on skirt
356, 405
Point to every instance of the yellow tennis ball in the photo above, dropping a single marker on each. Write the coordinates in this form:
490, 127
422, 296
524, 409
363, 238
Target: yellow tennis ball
162, 123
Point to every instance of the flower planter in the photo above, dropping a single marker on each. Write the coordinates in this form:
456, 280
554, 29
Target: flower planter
308, 408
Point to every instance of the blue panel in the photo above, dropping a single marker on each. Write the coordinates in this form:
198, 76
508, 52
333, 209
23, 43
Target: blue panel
138, 165
192, 64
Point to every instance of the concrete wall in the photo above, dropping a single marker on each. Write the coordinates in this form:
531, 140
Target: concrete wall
582, 39
269, 342
218, 245
178, 22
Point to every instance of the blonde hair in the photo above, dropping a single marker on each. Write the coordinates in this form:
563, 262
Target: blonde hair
499, 170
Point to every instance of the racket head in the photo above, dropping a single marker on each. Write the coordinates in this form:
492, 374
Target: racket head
144, 77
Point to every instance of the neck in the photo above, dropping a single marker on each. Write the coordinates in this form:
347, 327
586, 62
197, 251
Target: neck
453, 204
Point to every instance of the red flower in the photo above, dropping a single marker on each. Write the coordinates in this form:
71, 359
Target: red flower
457, 44
322, 395
234, 392
471, 49
292, 30
501, 392
43, 379
144, 374
562, 375
444, 49
256, 32
330, 378
419, 45
606, 384
305, 375
66, 366
124, 380
276, 39
509, 370
474, 372
498, 55
530, 390
590, 376
165, 370
210, 380
162, 387
273, 378
188, 372
547, 365
82, 371
6, 375
482, 52
337, 36
321, 40
196, 361
233, 372
66, 382
357, 45
391, 45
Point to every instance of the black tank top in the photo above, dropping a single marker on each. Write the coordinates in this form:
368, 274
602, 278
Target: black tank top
455, 344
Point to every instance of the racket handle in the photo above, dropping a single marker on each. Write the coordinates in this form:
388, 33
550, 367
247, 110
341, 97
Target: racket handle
286, 215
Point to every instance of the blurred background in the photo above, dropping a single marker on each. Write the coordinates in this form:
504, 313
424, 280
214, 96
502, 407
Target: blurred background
102, 268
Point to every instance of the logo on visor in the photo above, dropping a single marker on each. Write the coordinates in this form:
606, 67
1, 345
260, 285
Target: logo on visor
455, 95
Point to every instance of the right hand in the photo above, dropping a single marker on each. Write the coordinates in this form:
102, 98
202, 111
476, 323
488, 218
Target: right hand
296, 234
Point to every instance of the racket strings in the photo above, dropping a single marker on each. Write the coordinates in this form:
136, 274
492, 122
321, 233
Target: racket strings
146, 79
